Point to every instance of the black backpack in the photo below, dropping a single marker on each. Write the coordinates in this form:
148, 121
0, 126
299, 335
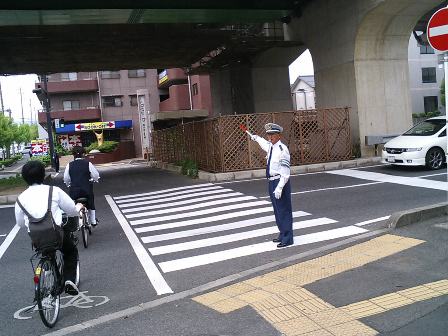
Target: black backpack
44, 233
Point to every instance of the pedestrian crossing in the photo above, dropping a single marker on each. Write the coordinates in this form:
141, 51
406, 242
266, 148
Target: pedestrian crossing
186, 227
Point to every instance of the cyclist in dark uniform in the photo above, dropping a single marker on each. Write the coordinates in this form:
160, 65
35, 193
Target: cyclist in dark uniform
79, 176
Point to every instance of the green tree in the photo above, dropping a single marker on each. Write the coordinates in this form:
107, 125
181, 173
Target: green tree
8, 132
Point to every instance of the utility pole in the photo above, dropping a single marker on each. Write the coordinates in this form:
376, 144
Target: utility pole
9, 112
21, 104
31, 113
1, 98
43, 92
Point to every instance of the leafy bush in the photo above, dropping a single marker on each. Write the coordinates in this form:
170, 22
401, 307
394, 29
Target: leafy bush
61, 150
13, 181
10, 161
45, 159
189, 168
106, 147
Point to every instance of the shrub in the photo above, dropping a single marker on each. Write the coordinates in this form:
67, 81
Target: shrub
13, 181
45, 159
106, 147
92, 146
189, 168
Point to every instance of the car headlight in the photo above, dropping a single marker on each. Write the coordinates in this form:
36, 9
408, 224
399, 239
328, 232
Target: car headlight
412, 149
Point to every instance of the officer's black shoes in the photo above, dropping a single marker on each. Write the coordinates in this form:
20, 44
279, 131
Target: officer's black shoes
280, 245
70, 288
95, 223
276, 240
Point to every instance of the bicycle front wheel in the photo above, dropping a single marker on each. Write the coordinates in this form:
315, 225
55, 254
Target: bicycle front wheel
48, 292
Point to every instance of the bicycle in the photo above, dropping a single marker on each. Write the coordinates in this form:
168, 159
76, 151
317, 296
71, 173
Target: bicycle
49, 281
84, 224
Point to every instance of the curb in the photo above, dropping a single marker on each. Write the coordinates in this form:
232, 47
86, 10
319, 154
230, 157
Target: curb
259, 173
413, 216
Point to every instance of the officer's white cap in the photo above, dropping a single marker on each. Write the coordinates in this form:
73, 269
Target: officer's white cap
272, 128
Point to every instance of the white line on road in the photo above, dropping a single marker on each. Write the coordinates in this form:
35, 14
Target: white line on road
334, 188
372, 221
195, 213
8, 240
189, 207
2, 235
215, 228
188, 201
214, 241
192, 197
153, 273
7, 206
158, 197
409, 181
198, 220
164, 191
204, 259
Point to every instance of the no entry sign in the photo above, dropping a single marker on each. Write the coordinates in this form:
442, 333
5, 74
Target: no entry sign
437, 30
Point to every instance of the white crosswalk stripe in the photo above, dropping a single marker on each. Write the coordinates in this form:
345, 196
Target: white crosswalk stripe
208, 221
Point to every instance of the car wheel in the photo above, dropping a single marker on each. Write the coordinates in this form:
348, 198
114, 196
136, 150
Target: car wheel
434, 158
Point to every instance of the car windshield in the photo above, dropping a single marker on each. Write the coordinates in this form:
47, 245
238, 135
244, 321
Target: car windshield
427, 127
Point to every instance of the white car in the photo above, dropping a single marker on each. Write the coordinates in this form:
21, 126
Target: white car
425, 144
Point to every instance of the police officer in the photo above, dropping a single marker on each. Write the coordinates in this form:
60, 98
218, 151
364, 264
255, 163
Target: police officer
277, 173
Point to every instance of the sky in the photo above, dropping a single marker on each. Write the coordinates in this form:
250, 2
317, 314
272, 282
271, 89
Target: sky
11, 86
302, 66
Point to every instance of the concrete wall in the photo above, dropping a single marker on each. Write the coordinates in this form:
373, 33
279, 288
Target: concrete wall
203, 99
178, 99
359, 51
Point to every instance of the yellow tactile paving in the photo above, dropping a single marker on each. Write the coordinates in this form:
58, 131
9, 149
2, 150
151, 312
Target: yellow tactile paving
280, 298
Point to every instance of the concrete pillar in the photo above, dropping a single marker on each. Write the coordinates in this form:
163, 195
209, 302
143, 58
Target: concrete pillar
359, 54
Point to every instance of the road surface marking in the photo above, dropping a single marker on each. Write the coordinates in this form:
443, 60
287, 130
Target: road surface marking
214, 241
280, 298
409, 181
173, 204
193, 213
204, 259
199, 220
7, 206
8, 240
172, 191
370, 221
216, 228
192, 197
153, 273
188, 207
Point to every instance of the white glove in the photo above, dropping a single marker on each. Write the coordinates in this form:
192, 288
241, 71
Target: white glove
253, 137
79, 206
278, 192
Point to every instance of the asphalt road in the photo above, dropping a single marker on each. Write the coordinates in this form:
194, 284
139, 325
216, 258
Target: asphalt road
118, 271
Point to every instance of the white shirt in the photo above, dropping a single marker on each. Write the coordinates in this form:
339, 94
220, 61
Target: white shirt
35, 201
93, 173
280, 159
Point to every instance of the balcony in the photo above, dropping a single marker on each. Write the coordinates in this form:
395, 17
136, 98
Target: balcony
85, 85
178, 99
170, 77
86, 114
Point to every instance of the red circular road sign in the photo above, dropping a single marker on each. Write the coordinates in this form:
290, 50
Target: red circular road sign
437, 30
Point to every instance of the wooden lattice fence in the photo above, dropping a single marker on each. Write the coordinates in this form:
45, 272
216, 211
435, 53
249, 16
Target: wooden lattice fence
219, 145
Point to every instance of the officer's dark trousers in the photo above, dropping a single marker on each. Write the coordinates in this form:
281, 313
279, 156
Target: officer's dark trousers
282, 211
70, 253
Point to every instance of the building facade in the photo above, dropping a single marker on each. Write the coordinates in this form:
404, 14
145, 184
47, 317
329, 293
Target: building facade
106, 101
303, 94
425, 78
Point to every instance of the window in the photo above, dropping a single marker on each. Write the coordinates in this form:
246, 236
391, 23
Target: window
431, 103
443, 134
427, 127
69, 76
110, 74
195, 89
426, 49
112, 101
429, 75
70, 105
133, 100
136, 73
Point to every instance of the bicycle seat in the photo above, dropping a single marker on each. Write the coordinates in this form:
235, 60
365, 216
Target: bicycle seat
81, 200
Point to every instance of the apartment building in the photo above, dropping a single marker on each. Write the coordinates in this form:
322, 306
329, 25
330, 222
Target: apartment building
83, 102
425, 78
